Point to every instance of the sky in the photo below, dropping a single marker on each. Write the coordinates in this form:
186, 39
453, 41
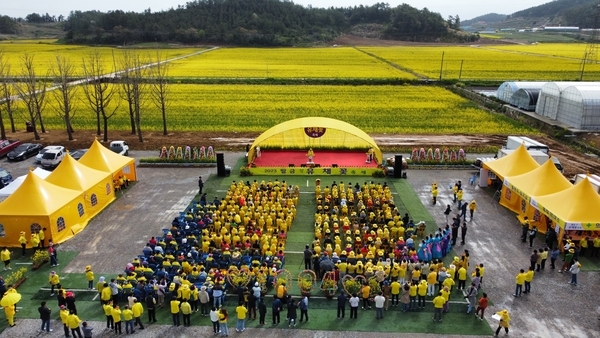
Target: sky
466, 9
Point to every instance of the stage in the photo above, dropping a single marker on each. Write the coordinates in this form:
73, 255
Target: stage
326, 162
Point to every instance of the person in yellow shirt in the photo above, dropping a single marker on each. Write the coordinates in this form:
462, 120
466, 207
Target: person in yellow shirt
241, 311
5, 256
138, 310
73, 322
395, 290
281, 292
42, 237
520, 279
431, 281
116, 315
446, 294
110, 323
449, 283
422, 292
416, 275
366, 292
64, 318
412, 293
438, 306
472, 209
504, 322
186, 311
128, 318
54, 281
35, 241
89, 275
175, 311
528, 279
23, 242
462, 278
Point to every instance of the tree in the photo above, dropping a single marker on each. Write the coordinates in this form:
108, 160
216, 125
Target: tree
63, 71
98, 91
6, 95
32, 92
134, 88
159, 88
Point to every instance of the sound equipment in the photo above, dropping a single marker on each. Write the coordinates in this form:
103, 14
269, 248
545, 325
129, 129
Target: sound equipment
221, 165
398, 166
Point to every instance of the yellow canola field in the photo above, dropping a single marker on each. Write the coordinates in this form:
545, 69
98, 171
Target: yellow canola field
255, 108
568, 50
326, 62
44, 55
485, 63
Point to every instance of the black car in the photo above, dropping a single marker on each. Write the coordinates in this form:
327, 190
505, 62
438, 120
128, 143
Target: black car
24, 151
77, 154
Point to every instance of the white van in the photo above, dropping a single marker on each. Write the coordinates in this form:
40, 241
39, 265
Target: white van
52, 158
513, 142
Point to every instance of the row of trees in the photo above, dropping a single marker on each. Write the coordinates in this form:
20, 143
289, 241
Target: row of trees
256, 22
141, 82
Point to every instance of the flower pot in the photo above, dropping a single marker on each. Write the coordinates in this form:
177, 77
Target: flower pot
37, 265
19, 282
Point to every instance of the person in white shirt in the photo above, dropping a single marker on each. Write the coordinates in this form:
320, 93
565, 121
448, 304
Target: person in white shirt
214, 318
379, 303
354, 301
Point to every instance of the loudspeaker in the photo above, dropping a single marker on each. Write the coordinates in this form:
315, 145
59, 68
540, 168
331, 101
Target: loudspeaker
317, 165
334, 165
303, 165
221, 165
291, 165
398, 166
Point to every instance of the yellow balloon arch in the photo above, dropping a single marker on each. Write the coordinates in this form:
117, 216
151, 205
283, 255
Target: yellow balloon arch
316, 133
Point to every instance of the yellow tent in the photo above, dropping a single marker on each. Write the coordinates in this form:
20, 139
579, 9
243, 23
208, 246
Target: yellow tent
575, 208
519, 190
38, 204
315, 132
517, 163
96, 186
100, 158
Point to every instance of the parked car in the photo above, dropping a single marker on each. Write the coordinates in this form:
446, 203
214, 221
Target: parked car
5, 176
38, 157
6, 146
120, 147
52, 158
24, 151
77, 154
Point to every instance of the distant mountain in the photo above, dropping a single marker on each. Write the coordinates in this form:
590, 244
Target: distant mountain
487, 18
552, 9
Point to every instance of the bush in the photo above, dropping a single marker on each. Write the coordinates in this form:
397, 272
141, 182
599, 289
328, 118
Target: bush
245, 172
40, 256
15, 276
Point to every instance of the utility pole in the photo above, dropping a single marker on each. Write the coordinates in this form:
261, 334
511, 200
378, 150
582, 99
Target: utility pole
442, 66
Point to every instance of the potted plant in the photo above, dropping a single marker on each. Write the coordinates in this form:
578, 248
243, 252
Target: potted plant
352, 285
39, 258
306, 281
16, 278
329, 285
283, 277
238, 277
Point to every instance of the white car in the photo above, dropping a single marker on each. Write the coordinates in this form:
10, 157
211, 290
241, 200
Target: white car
120, 147
38, 157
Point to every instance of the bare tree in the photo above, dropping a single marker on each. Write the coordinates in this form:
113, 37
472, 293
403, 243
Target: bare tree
99, 92
32, 92
63, 72
159, 88
134, 88
7, 95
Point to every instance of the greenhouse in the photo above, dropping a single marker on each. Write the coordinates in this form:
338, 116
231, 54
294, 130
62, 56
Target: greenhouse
579, 107
525, 99
550, 96
507, 89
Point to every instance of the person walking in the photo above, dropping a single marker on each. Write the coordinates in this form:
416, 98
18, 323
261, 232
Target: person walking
276, 307
463, 233
341, 305
532, 234
459, 196
575, 268
45, 317
447, 212
292, 313
214, 318
354, 301
438, 305
379, 303
241, 312
303, 305
200, 185
553, 257
471, 297
223, 322
175, 310
482, 304
151, 306
472, 209
504, 322
5, 256
463, 211
262, 311
186, 311
74, 321
54, 280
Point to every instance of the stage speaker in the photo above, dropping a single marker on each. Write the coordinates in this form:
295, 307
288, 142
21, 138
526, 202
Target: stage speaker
398, 166
291, 165
334, 165
317, 165
303, 165
221, 165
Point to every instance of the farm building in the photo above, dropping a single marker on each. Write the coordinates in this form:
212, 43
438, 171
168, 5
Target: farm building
579, 107
561, 29
507, 89
525, 98
550, 96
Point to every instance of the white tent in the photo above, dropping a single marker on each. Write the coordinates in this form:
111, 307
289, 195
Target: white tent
15, 184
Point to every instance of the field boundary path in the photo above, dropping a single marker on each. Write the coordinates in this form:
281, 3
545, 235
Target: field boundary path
392, 64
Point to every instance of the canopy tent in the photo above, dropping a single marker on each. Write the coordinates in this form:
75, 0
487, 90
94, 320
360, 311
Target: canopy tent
315, 132
96, 186
100, 158
517, 163
38, 204
518, 191
575, 208
14, 185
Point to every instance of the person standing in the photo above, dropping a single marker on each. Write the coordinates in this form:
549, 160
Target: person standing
200, 185
186, 311
89, 275
223, 322
544, 256
533, 259
366, 292
214, 318
241, 312
434, 194
307, 257
455, 227
568, 260
472, 209
292, 313
138, 310
447, 212
52, 254
422, 292
64, 318
251, 305
354, 301
151, 306
482, 304
575, 268
459, 197
23, 242
262, 311
116, 317
532, 234
175, 311
204, 298
5, 256
504, 322
110, 323
528, 278
438, 305
87, 330
524, 229
341, 305
54, 281
128, 318
74, 321
463, 211
520, 279
45, 317
379, 303
471, 297
303, 305
405, 297
276, 307
463, 233
553, 257
395, 291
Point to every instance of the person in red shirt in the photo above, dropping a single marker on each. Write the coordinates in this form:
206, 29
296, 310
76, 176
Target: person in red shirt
482, 305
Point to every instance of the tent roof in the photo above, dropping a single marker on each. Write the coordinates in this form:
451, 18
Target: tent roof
37, 197
337, 133
74, 175
578, 205
517, 163
16, 183
544, 180
100, 158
